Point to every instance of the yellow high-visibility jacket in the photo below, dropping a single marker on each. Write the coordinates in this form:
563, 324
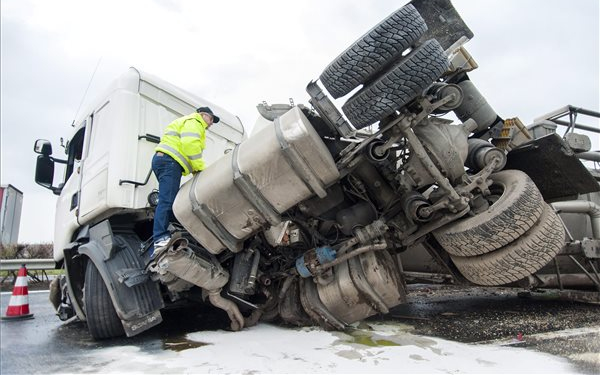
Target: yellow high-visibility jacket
184, 140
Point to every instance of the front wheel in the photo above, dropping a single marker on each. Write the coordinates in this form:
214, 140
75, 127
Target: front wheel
102, 319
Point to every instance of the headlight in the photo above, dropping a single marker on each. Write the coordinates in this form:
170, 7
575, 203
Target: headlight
153, 198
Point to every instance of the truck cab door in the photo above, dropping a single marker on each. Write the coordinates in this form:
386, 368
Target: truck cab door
67, 206
93, 194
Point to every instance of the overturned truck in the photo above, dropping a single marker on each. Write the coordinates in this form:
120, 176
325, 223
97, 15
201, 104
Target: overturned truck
321, 217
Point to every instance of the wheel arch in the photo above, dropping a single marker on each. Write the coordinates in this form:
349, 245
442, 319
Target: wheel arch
136, 299
75, 266
92, 252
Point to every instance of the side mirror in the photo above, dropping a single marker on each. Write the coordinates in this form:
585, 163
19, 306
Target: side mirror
43, 147
44, 173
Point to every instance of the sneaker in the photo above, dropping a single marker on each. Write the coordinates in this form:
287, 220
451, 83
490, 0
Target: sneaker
161, 243
160, 246
157, 248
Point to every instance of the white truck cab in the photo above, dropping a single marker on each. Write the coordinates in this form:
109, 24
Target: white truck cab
107, 197
109, 154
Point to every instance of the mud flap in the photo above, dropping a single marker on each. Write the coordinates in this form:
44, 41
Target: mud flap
134, 326
136, 298
554, 168
443, 22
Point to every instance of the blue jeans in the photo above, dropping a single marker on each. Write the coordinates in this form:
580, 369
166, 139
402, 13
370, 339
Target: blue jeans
168, 172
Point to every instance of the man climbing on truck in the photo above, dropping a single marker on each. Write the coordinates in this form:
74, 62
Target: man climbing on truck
178, 153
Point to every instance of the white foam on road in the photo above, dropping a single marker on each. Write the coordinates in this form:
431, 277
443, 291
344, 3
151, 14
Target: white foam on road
379, 348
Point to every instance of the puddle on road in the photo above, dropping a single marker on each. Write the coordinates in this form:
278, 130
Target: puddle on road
180, 343
382, 335
368, 339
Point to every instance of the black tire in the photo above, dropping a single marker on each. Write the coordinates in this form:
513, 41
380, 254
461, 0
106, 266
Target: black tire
518, 208
372, 51
398, 86
521, 258
102, 319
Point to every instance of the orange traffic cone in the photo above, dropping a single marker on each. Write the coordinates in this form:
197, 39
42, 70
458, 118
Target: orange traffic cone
18, 306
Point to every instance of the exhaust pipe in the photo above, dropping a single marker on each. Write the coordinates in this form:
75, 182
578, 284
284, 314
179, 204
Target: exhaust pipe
207, 273
182, 262
236, 317
582, 207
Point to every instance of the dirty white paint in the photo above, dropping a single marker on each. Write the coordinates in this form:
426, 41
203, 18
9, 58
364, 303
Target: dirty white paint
377, 348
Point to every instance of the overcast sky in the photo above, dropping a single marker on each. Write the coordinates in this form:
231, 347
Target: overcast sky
534, 56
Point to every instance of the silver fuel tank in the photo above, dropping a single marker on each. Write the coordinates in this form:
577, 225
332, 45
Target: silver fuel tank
248, 189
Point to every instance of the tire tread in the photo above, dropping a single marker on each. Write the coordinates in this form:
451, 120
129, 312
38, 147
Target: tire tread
102, 319
371, 52
504, 222
521, 258
399, 85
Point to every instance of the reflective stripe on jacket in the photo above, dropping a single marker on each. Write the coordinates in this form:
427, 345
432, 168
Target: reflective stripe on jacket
184, 140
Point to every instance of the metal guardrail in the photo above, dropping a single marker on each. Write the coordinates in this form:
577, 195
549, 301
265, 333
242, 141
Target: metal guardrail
31, 264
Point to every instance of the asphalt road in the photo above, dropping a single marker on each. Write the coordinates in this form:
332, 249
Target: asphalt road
46, 345
474, 315
499, 315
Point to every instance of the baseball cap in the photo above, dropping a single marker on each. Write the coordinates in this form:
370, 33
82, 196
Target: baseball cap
209, 111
